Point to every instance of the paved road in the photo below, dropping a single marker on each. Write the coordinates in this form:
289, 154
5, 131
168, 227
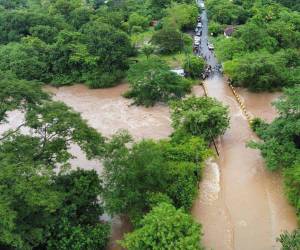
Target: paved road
203, 49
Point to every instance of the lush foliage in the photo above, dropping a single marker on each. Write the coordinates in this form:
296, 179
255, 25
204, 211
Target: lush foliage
152, 81
181, 16
194, 66
149, 167
164, 227
262, 54
203, 116
168, 40
35, 200
62, 42
281, 143
290, 241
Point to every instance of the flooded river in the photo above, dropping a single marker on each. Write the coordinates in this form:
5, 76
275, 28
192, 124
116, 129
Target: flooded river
241, 205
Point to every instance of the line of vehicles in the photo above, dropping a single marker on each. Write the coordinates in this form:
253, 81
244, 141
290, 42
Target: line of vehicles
198, 34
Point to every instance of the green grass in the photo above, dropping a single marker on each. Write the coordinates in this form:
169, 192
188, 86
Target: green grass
140, 38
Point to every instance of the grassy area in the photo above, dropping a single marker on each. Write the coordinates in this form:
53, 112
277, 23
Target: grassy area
140, 38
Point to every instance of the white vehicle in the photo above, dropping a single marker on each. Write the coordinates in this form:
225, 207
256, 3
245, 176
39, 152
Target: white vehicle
211, 47
199, 25
197, 43
179, 72
197, 38
202, 6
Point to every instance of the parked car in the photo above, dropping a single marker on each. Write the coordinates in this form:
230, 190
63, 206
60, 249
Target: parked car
211, 46
199, 25
202, 6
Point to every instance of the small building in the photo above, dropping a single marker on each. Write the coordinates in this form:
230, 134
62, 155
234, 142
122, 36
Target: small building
229, 31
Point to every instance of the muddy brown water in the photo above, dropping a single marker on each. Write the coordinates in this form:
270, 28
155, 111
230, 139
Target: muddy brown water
240, 205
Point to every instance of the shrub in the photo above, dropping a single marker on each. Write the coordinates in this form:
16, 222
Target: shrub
203, 116
152, 81
169, 40
164, 227
194, 66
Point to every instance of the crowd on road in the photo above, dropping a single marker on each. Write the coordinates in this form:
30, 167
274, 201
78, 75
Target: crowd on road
203, 48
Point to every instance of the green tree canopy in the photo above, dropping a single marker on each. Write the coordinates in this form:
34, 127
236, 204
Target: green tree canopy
164, 227
203, 116
194, 66
168, 40
152, 81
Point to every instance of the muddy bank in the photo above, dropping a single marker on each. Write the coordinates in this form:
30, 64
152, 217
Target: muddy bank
248, 209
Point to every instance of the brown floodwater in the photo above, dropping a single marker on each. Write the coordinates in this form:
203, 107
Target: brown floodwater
108, 112
241, 205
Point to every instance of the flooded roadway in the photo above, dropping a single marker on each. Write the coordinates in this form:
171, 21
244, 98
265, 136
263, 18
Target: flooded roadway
240, 205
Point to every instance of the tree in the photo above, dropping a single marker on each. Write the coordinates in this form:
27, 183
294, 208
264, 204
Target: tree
204, 116
182, 16
280, 147
164, 227
215, 28
111, 47
152, 81
77, 223
137, 20
148, 50
138, 170
194, 66
261, 71
35, 200
292, 186
169, 40
18, 94
148, 168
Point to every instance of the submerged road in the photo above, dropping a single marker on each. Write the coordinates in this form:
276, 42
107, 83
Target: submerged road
240, 205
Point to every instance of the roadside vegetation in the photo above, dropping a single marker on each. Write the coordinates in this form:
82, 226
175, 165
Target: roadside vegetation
280, 147
262, 52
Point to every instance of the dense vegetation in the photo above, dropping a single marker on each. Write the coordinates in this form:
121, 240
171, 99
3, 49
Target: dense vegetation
262, 53
281, 142
280, 148
40, 208
45, 202
151, 80
165, 218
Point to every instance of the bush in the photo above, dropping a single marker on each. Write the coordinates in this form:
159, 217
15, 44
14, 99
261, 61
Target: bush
203, 116
164, 227
290, 241
169, 40
194, 66
136, 19
152, 81
215, 28
136, 29
292, 186
103, 79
